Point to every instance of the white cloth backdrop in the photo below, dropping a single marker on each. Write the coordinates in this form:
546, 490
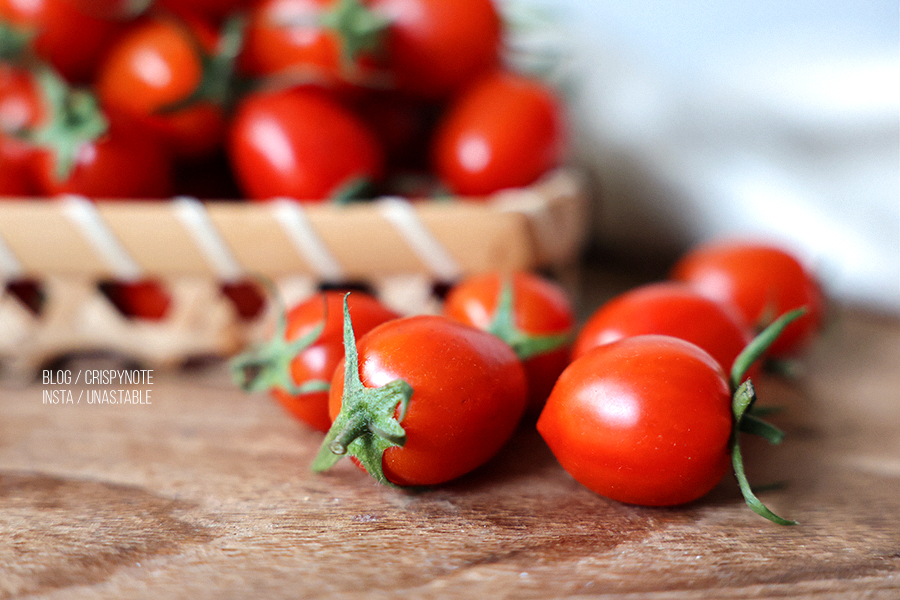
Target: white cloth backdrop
770, 118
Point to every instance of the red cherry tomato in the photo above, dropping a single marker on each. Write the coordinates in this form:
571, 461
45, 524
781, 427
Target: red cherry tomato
157, 63
535, 318
667, 308
504, 131
762, 282
300, 143
297, 364
120, 164
307, 40
448, 397
145, 299
69, 39
434, 48
645, 420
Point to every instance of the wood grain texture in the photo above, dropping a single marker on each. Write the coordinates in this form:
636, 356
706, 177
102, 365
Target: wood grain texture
206, 493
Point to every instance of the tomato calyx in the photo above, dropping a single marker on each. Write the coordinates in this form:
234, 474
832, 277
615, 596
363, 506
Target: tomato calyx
15, 43
268, 365
73, 119
218, 85
359, 29
366, 425
355, 189
747, 417
503, 325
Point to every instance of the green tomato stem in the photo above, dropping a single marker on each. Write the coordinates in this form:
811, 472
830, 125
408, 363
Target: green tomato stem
746, 418
268, 365
503, 325
73, 119
218, 81
366, 425
760, 344
359, 29
744, 398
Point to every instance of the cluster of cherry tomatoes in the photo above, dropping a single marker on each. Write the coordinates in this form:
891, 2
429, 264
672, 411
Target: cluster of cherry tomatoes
307, 99
642, 403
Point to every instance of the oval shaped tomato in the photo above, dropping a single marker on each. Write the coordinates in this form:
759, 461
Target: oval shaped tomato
69, 39
300, 143
646, 420
434, 48
449, 396
504, 131
320, 41
156, 64
297, 364
530, 313
762, 281
667, 308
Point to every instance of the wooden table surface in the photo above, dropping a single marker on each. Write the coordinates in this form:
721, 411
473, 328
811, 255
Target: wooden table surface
205, 492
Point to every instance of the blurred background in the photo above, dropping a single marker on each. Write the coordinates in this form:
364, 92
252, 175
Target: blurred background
700, 119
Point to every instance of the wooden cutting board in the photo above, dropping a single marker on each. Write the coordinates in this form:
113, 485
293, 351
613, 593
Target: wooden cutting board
205, 492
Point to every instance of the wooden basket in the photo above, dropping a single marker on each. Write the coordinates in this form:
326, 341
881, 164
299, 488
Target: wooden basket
400, 249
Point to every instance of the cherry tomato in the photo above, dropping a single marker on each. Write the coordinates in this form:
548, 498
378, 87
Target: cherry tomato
530, 313
435, 47
145, 299
296, 365
324, 41
762, 281
442, 398
302, 144
119, 164
69, 39
156, 64
504, 131
645, 420
667, 308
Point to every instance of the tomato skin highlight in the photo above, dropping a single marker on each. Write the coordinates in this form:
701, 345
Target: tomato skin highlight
762, 281
318, 361
645, 420
667, 308
301, 144
504, 131
469, 395
540, 308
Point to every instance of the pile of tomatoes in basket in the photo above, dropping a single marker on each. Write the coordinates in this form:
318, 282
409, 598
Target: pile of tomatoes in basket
257, 99
643, 403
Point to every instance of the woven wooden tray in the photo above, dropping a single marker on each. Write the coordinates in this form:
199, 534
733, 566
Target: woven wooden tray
398, 248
